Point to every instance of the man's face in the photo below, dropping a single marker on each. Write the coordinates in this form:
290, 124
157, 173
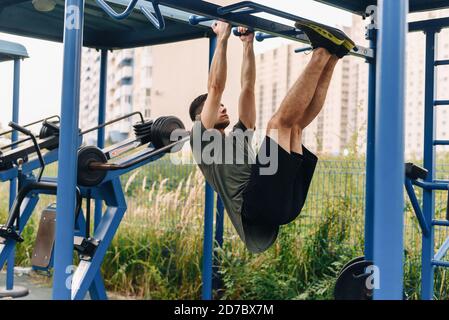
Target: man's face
222, 118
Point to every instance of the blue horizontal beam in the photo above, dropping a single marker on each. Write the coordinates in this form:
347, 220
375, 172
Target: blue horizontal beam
441, 142
441, 223
441, 103
442, 63
427, 25
440, 263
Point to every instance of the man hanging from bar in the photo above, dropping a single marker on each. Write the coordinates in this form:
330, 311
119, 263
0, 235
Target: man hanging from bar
261, 193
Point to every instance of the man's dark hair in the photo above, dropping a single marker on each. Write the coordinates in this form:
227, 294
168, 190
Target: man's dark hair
197, 106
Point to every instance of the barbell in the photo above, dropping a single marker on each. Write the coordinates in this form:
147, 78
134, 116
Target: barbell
93, 163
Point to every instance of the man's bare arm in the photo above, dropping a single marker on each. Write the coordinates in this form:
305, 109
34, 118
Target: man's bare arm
217, 75
247, 101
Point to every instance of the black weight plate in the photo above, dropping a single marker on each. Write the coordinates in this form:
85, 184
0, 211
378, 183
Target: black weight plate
47, 131
351, 283
167, 127
355, 260
86, 177
156, 138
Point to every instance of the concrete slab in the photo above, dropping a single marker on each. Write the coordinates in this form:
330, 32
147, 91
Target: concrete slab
39, 289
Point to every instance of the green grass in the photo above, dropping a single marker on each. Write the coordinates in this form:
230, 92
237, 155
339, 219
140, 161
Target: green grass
156, 253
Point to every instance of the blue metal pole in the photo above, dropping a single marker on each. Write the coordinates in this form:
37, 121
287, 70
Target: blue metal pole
13, 182
101, 120
208, 219
68, 142
219, 223
370, 143
429, 164
388, 246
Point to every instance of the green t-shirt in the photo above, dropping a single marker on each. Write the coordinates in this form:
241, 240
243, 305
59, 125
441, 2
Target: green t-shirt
227, 170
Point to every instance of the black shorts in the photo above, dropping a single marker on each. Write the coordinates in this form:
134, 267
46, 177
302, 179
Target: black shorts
278, 199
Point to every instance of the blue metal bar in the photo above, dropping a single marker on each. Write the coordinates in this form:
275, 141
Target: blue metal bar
208, 219
25, 213
15, 119
371, 126
87, 271
441, 223
13, 182
432, 185
388, 246
28, 167
195, 20
219, 223
441, 142
260, 36
417, 208
300, 50
434, 25
156, 18
97, 289
442, 63
441, 103
443, 250
115, 15
440, 263
101, 119
68, 143
429, 163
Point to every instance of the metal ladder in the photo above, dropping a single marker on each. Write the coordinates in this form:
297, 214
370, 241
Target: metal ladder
429, 184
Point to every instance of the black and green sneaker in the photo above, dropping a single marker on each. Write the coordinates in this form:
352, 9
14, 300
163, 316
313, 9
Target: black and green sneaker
345, 49
321, 36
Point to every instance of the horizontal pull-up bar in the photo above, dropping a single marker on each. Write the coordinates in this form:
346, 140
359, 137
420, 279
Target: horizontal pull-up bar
241, 14
442, 63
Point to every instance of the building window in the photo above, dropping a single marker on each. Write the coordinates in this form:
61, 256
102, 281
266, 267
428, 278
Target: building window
274, 97
126, 63
127, 81
149, 72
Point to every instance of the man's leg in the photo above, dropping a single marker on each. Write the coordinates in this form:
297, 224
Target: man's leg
316, 105
297, 100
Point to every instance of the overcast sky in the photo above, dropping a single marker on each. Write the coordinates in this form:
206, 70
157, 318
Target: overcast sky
42, 73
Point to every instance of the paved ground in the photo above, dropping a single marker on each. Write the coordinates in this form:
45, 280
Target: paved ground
40, 286
38, 289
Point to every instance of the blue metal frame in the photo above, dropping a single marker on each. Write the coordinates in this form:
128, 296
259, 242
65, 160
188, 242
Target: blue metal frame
13, 182
15, 52
73, 39
370, 145
385, 148
208, 244
388, 222
101, 119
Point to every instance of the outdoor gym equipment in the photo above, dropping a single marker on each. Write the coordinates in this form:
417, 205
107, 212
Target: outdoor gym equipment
385, 148
10, 51
91, 248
